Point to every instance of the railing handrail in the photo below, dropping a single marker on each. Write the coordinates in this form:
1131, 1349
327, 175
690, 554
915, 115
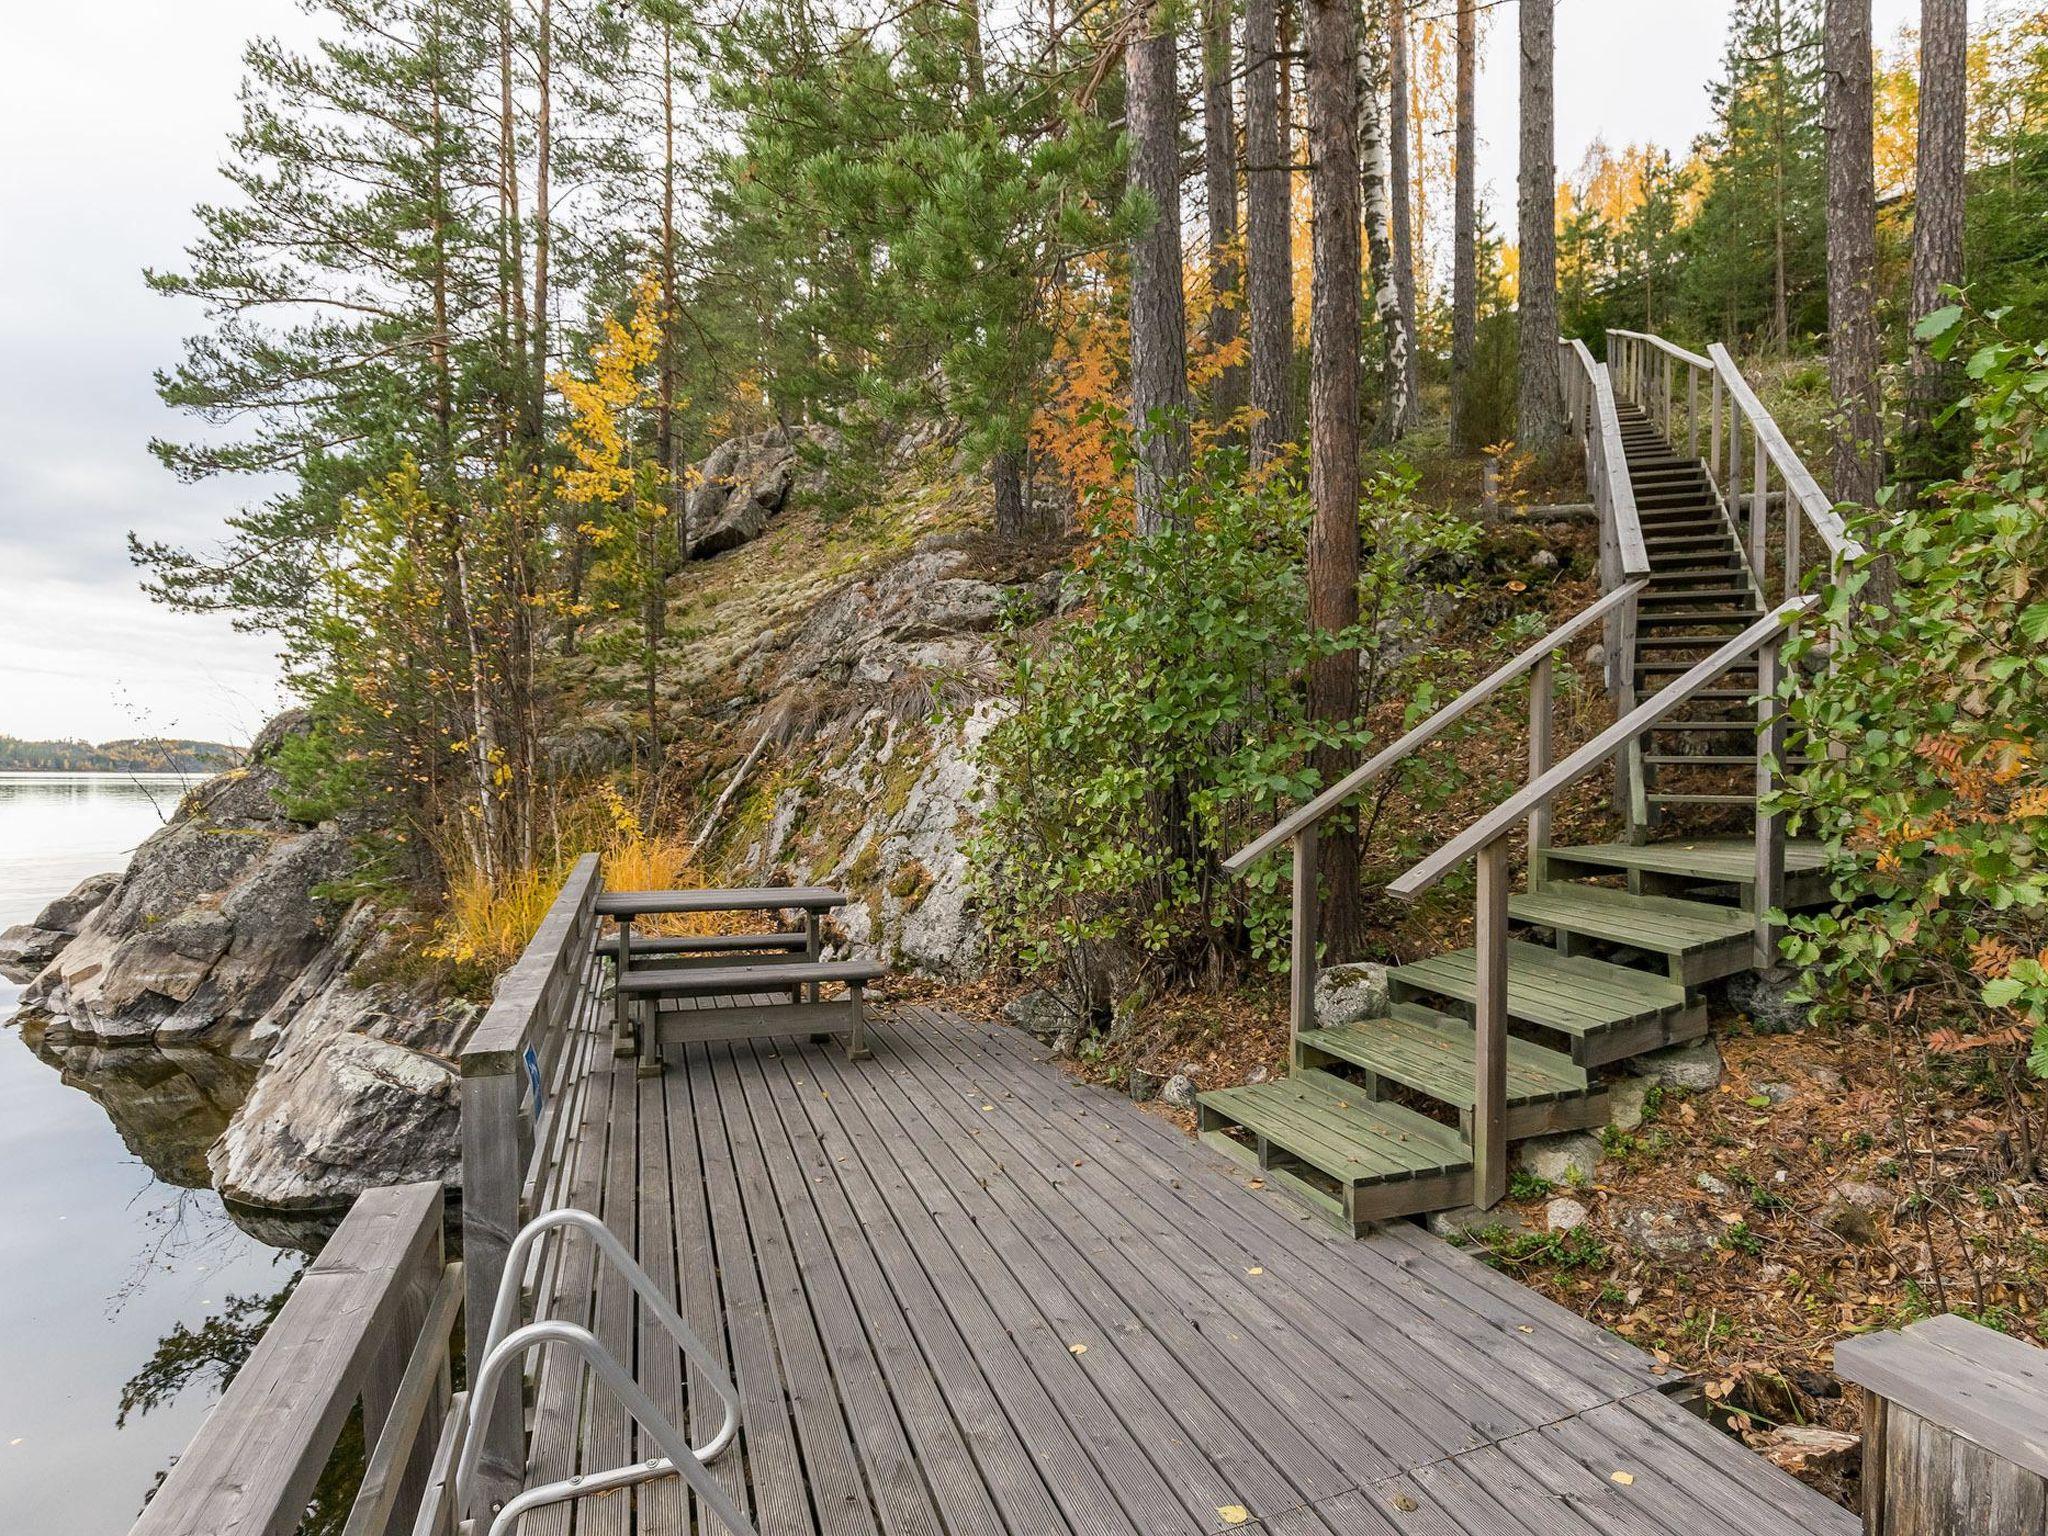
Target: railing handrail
1541, 790
506, 1029
1291, 826
1813, 501
369, 1320
1614, 483
1670, 347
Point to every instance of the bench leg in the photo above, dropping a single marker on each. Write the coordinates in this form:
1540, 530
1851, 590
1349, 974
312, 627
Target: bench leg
622, 1022
857, 1035
651, 1059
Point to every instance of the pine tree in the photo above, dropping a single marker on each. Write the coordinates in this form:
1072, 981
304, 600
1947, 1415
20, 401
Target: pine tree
1159, 349
1539, 404
1465, 233
1852, 254
1269, 266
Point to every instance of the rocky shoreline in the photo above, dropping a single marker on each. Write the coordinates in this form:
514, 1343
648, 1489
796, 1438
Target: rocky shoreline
219, 943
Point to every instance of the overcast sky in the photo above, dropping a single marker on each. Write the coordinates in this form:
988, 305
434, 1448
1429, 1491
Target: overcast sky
114, 115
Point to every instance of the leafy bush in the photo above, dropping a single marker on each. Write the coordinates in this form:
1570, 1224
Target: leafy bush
1934, 803
1166, 723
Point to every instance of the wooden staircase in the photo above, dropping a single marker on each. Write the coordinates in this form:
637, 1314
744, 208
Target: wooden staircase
1606, 954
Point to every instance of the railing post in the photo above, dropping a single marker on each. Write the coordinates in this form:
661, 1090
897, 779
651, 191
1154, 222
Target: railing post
1302, 965
1669, 394
1731, 493
1759, 507
1490, 1024
1714, 451
1540, 712
1692, 412
1770, 825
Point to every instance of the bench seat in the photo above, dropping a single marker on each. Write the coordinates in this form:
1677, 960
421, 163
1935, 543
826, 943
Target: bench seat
607, 946
712, 981
738, 1013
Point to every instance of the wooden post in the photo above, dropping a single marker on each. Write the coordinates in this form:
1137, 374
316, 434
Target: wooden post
1731, 493
1692, 412
622, 1018
1714, 451
1490, 1024
1770, 827
1759, 510
1540, 713
1955, 1429
1301, 1002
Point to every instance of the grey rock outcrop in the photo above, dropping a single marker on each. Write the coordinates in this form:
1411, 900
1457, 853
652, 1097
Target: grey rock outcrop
1571, 1158
1350, 994
215, 915
360, 1089
742, 484
28, 948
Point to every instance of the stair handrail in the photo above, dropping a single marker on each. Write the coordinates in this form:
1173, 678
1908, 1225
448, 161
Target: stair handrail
505, 1345
1596, 421
1307, 816
1487, 840
1644, 368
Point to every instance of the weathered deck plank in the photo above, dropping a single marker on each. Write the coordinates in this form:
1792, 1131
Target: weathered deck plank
900, 1257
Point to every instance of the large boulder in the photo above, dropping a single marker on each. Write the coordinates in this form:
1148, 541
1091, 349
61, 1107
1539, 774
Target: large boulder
360, 1087
28, 948
216, 914
742, 484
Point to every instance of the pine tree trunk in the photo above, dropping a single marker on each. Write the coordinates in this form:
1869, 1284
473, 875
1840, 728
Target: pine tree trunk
1013, 505
1333, 423
1781, 319
512, 241
1373, 177
1399, 115
1852, 251
1269, 259
1159, 321
1219, 159
1937, 221
543, 179
1539, 404
1465, 235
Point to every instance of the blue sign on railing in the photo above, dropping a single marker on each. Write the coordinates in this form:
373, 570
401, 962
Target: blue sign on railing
533, 1076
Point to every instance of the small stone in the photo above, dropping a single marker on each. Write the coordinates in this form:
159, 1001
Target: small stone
1826, 1079
1572, 1158
1178, 1091
1713, 1186
1470, 1220
1144, 1086
1695, 1068
1853, 1209
1664, 1227
1347, 994
1565, 1215
1777, 1093
1594, 657
1544, 560
1765, 996
1258, 1074
1626, 1100
1044, 1013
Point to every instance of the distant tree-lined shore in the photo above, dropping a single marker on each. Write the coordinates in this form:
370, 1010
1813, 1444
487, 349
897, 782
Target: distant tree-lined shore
155, 754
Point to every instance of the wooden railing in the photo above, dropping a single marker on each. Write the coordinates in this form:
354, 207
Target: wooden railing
519, 1067
1300, 827
1487, 841
1746, 449
371, 1321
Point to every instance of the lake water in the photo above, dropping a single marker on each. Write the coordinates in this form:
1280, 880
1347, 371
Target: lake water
113, 1253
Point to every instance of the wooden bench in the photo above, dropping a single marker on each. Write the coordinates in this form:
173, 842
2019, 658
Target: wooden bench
703, 948
817, 1016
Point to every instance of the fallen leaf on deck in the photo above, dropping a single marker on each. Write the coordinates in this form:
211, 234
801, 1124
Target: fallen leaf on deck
1626, 1479
1232, 1514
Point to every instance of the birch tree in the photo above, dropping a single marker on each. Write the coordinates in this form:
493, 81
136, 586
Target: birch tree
1375, 174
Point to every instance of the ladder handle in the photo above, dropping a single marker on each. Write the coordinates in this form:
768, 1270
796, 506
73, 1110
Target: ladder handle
678, 1458
506, 1308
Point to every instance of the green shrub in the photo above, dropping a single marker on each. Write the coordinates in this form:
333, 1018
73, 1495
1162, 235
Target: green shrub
1934, 804
1165, 723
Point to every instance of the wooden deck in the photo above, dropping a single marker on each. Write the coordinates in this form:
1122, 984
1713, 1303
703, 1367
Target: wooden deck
962, 1293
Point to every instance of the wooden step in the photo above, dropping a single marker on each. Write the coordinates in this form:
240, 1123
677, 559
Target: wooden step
1692, 594
1678, 866
1351, 1159
1660, 798
1699, 942
1743, 617
1606, 1012
1431, 1052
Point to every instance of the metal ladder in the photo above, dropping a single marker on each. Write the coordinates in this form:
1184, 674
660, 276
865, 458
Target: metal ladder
505, 1346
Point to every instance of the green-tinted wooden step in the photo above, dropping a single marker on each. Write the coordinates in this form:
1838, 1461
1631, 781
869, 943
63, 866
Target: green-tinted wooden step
1606, 1012
1334, 1128
1720, 860
1700, 942
1431, 1052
